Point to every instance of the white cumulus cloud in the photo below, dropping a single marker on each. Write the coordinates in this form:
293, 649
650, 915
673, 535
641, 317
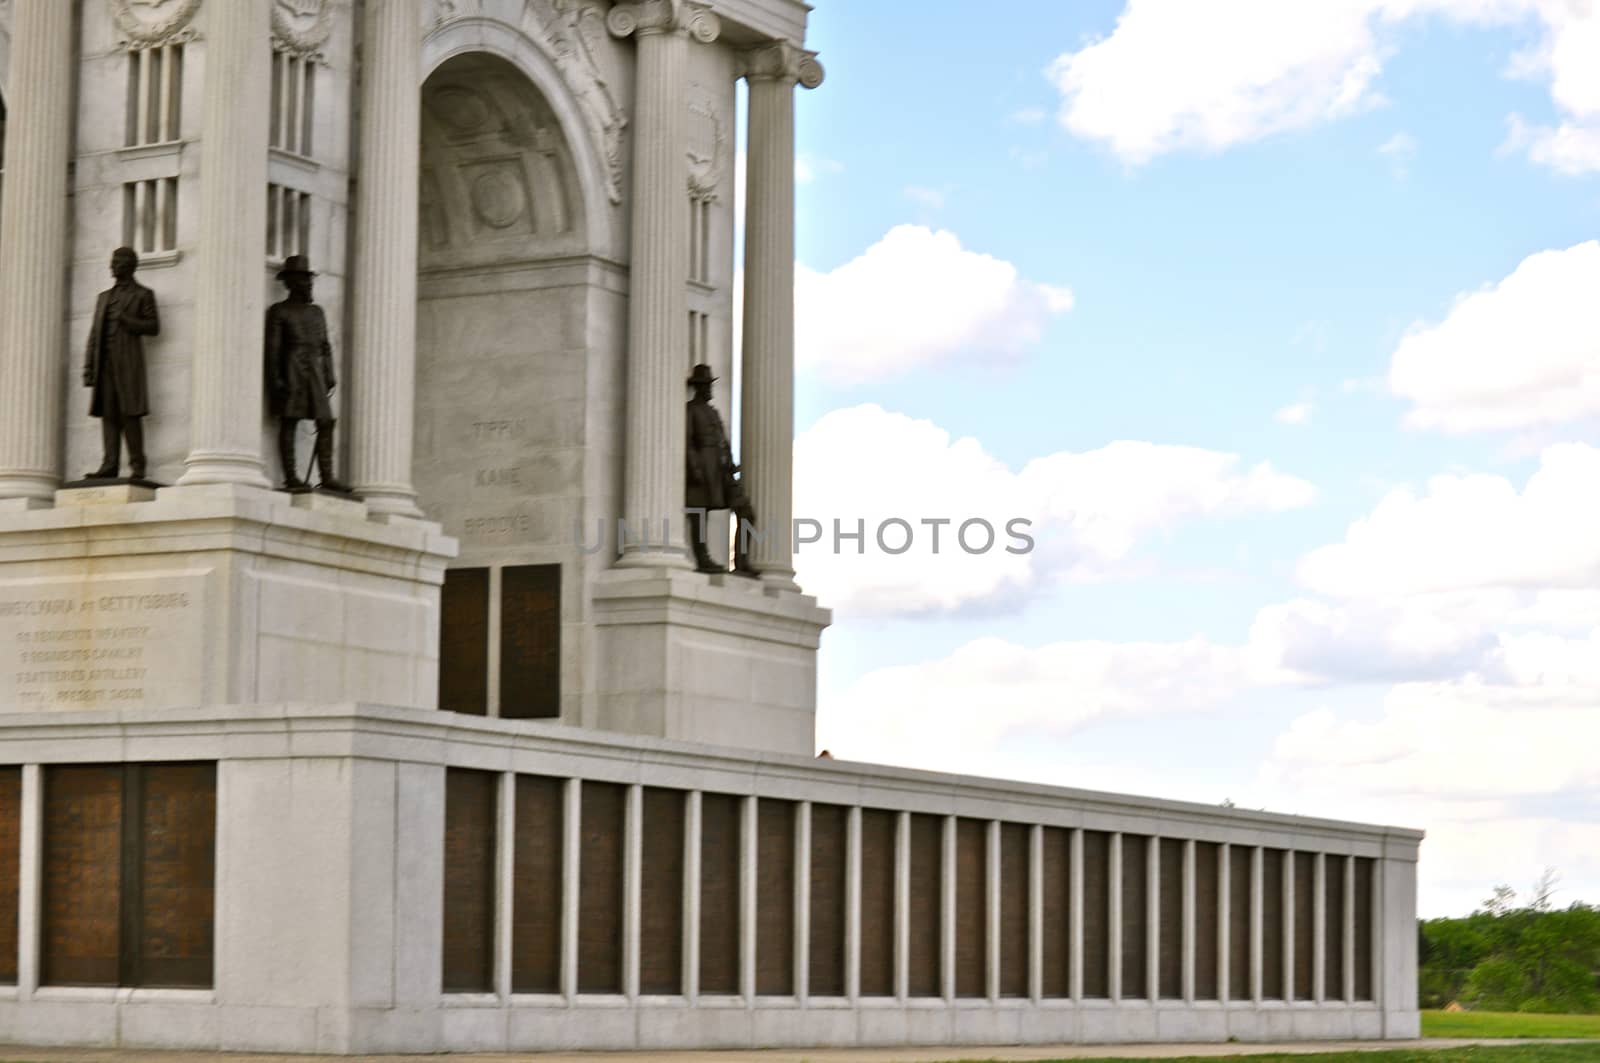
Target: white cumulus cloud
1471, 532
1085, 513
1176, 75
1521, 354
943, 713
916, 298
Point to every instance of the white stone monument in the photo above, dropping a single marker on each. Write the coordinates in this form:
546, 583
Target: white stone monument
244, 800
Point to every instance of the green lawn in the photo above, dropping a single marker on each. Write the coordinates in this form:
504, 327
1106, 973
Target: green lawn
1508, 1024
1475, 1054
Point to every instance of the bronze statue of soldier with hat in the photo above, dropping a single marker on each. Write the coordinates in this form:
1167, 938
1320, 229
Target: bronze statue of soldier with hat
713, 478
300, 375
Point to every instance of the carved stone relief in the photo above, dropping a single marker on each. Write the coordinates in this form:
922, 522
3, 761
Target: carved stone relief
497, 179
300, 27
708, 141
574, 33
151, 22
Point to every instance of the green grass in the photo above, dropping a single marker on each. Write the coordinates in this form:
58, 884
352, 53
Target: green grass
1474, 1054
1508, 1024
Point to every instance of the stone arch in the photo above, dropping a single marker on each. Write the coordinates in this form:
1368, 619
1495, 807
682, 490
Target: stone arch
498, 181
490, 37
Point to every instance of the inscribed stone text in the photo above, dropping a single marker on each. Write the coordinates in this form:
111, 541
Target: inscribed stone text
84, 651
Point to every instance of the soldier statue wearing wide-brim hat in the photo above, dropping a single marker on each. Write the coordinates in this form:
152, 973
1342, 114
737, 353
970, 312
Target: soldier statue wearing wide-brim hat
300, 376
713, 477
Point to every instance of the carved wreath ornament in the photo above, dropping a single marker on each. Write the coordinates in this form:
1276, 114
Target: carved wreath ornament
302, 26
147, 22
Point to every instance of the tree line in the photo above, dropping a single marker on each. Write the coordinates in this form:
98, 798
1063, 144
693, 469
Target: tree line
1510, 956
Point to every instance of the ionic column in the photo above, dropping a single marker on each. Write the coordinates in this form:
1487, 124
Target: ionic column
766, 394
383, 286
225, 411
653, 461
33, 249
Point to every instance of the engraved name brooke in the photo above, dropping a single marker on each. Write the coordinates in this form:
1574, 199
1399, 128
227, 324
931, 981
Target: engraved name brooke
80, 652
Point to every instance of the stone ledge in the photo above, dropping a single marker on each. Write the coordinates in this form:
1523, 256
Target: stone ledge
729, 605
225, 517
355, 729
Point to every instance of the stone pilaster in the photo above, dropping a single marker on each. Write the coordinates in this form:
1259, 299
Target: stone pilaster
766, 432
653, 463
33, 249
384, 280
225, 412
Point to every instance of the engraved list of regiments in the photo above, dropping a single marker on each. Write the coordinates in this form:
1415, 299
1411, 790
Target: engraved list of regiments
105, 643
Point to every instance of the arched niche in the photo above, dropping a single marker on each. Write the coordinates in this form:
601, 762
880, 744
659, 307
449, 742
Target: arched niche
498, 183
520, 323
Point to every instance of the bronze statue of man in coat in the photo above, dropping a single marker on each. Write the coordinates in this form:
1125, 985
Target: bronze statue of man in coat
300, 374
713, 478
113, 365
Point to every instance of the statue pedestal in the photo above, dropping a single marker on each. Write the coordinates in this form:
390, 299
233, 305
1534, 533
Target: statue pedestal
717, 659
214, 595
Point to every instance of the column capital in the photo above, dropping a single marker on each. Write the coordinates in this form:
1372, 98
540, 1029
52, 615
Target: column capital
645, 17
782, 61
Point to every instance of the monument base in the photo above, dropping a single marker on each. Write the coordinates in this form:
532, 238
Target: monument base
384, 880
127, 597
714, 658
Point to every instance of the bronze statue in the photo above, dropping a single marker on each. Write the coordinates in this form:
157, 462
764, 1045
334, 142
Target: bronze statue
300, 374
713, 478
113, 365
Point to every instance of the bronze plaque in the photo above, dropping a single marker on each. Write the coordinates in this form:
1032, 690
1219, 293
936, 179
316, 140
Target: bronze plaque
10, 869
1207, 905
1272, 861
1015, 866
1169, 927
530, 642
661, 893
1055, 882
600, 889
464, 641
878, 829
719, 893
972, 923
825, 959
774, 897
1135, 919
469, 858
1240, 861
1096, 914
82, 875
1333, 929
536, 886
170, 917
1305, 888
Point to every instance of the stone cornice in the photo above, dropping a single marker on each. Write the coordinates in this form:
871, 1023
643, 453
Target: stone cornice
422, 736
780, 60
645, 17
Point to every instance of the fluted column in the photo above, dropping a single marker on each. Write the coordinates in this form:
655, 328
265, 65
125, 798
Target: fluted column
766, 396
225, 411
33, 248
653, 460
384, 278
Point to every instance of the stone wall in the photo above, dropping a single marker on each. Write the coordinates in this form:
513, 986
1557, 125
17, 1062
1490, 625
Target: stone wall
395, 880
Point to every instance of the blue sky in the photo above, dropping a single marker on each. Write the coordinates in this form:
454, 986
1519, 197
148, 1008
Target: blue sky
1285, 332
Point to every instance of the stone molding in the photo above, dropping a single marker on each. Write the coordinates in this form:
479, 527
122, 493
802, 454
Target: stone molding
536, 747
168, 23
781, 60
